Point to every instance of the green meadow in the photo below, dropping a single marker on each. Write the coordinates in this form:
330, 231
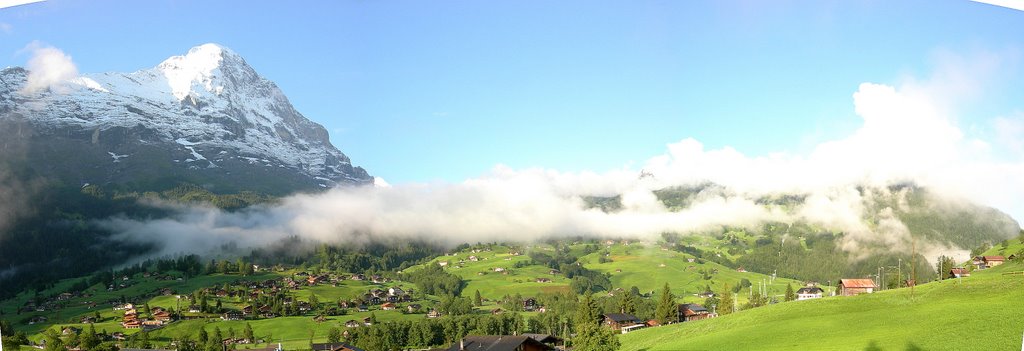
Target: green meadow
981, 312
649, 267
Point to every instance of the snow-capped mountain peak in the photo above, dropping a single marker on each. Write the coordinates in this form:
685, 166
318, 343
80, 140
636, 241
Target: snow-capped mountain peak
197, 68
208, 107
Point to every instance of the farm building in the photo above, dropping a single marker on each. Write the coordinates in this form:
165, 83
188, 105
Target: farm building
851, 287
959, 272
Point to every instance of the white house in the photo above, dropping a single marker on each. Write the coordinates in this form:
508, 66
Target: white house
809, 292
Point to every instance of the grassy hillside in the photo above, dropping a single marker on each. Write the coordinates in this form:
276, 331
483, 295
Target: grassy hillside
481, 275
981, 312
649, 267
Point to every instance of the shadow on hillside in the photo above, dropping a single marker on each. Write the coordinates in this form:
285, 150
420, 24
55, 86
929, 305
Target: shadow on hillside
873, 346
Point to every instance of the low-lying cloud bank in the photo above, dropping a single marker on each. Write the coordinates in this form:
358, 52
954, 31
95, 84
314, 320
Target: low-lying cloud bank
909, 134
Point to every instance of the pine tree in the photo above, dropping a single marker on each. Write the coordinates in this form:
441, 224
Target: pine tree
477, 300
248, 334
586, 312
666, 311
790, 295
725, 303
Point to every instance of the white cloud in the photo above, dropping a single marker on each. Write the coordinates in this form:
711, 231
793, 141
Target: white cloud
48, 68
6, 28
909, 133
1011, 4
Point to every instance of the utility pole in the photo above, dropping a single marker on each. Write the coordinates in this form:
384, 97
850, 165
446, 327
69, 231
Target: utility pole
913, 265
899, 271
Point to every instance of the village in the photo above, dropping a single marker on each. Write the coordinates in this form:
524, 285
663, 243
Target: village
352, 302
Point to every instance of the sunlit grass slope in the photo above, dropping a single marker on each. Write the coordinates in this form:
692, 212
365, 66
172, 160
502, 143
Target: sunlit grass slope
982, 312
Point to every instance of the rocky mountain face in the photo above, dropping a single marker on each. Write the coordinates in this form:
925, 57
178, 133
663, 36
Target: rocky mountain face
205, 117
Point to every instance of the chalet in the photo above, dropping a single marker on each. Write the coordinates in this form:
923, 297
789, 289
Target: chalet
434, 314
992, 261
474, 258
377, 279
304, 306
151, 324
388, 306
126, 306
367, 321
959, 272
232, 316
338, 346
688, 312
546, 339
851, 287
706, 294
131, 324
358, 277
554, 271
70, 330
87, 320
741, 270
499, 269
413, 308
529, 304
543, 280
497, 311
222, 293
351, 323
393, 298
618, 321
985, 262
376, 300
247, 310
363, 308
319, 318
316, 279
809, 292
406, 298
442, 263
162, 316
499, 343
117, 336
64, 296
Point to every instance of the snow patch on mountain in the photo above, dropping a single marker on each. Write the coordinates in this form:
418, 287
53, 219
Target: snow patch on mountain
209, 96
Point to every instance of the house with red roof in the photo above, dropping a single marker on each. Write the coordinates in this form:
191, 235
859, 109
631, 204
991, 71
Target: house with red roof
851, 287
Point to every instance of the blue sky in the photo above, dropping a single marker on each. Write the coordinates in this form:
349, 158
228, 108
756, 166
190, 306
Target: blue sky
420, 91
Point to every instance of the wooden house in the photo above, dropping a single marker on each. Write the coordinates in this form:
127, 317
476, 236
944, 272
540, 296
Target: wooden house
337, 346
959, 272
499, 343
851, 287
617, 321
687, 312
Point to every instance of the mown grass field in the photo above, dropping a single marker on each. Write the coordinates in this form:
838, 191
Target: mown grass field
982, 312
480, 274
648, 267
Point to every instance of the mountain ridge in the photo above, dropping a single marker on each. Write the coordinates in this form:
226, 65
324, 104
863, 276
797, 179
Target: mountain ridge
206, 117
